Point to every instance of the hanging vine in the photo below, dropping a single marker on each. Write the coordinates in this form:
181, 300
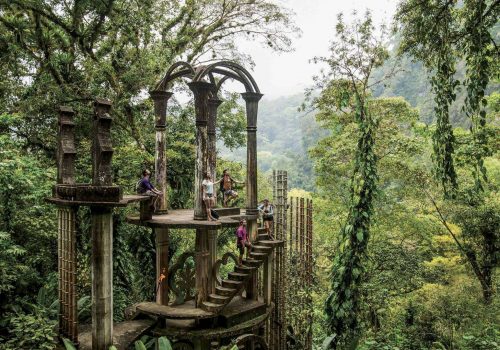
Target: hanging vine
343, 303
478, 49
443, 86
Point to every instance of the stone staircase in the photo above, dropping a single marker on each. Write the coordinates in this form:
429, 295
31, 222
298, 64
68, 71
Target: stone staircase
237, 279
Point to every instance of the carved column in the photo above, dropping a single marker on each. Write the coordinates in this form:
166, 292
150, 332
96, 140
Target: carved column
102, 150
267, 279
102, 231
66, 215
213, 104
252, 102
201, 91
102, 278
202, 258
212, 252
160, 99
66, 147
162, 265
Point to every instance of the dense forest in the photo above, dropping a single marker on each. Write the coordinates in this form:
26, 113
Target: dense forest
397, 143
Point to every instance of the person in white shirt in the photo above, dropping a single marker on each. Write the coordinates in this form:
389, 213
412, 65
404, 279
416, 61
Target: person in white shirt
267, 211
208, 195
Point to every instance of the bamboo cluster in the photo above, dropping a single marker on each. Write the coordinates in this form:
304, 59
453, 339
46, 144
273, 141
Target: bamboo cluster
290, 325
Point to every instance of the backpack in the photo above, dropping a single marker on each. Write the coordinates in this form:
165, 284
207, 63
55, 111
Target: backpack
138, 187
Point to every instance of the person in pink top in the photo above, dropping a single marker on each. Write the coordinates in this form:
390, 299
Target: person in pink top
242, 240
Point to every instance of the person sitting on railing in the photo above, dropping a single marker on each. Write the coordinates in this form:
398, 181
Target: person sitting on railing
267, 211
242, 240
227, 187
146, 188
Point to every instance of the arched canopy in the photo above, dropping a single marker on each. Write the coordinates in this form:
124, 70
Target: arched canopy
227, 69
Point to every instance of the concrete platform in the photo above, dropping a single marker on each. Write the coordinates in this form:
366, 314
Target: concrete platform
183, 218
124, 333
186, 329
126, 200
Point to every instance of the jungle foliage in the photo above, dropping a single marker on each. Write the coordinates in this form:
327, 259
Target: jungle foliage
406, 199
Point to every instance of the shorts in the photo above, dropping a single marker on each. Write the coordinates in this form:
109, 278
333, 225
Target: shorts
241, 247
268, 218
208, 196
150, 193
230, 193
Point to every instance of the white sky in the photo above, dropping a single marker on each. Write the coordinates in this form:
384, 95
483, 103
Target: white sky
290, 73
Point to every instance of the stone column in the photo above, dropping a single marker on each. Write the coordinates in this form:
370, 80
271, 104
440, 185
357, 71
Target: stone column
102, 231
212, 257
160, 99
213, 104
202, 258
252, 102
66, 215
201, 91
102, 150
267, 279
102, 278
162, 265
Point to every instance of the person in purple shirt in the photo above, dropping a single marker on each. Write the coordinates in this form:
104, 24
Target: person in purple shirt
242, 240
146, 188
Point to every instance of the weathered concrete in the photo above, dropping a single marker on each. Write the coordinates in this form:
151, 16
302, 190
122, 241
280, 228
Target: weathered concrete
162, 265
160, 99
102, 278
201, 91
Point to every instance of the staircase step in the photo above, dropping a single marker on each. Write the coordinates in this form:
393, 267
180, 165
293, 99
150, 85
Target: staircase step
251, 262
244, 269
258, 256
237, 276
211, 307
218, 299
231, 284
227, 211
263, 236
225, 291
261, 230
270, 243
261, 249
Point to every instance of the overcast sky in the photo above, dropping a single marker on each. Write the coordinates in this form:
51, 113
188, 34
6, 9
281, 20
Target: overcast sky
290, 73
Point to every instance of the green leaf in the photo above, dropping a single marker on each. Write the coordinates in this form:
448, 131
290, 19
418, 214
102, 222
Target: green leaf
164, 344
139, 345
359, 235
68, 344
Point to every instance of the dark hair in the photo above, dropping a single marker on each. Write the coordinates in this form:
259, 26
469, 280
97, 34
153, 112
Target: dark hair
206, 175
225, 171
146, 172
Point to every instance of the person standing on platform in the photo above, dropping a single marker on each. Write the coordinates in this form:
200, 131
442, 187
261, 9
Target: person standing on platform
267, 211
209, 195
146, 188
227, 187
242, 240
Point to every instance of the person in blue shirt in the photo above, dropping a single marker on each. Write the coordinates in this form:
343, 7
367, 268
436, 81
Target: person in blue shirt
146, 188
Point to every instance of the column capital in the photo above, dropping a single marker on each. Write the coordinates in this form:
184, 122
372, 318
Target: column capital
215, 101
160, 94
251, 96
201, 86
101, 107
160, 98
66, 113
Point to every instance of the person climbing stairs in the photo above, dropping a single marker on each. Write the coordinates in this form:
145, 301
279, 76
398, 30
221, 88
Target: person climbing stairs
236, 280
